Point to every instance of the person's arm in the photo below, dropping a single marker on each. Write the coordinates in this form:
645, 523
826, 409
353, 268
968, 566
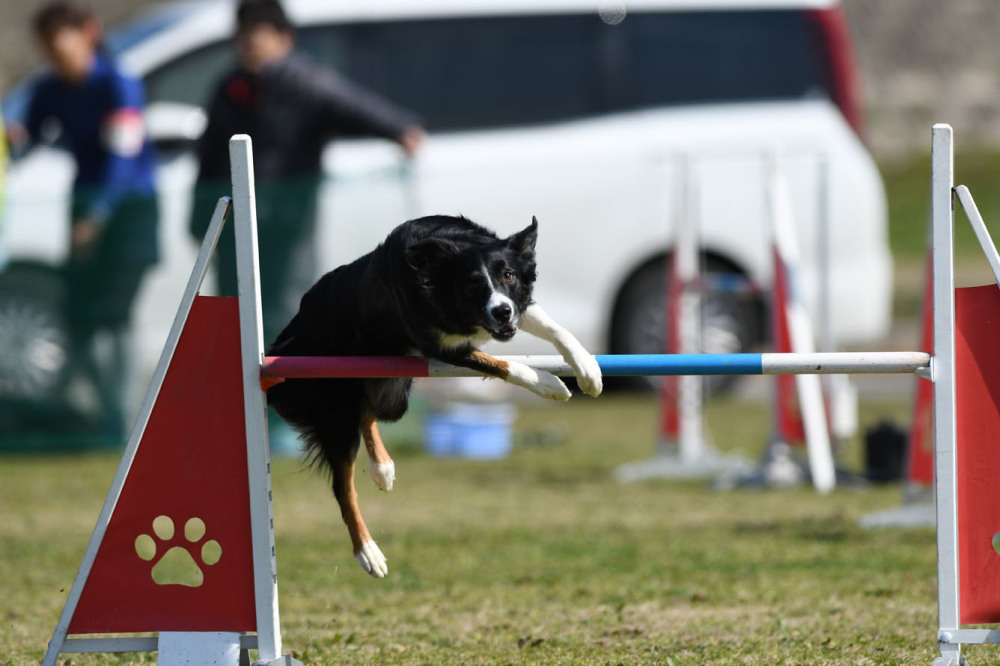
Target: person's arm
347, 108
123, 138
21, 137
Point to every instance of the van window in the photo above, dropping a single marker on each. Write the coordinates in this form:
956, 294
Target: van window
715, 56
502, 71
496, 71
486, 72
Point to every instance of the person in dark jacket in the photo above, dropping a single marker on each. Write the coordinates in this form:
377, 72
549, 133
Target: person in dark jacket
113, 234
291, 107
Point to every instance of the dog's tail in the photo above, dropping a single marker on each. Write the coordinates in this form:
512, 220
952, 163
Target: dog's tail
325, 412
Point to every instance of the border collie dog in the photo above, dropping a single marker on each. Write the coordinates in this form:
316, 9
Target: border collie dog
439, 286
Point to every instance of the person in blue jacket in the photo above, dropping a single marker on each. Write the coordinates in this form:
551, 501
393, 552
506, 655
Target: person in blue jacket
96, 111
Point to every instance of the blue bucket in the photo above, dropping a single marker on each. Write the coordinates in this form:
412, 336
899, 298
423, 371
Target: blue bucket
482, 432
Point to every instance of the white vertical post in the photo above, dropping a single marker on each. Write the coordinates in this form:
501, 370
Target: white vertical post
255, 400
810, 392
689, 403
943, 374
827, 338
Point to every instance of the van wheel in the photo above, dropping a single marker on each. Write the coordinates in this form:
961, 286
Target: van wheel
34, 341
730, 322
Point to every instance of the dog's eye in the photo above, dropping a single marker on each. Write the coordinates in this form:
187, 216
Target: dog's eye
508, 276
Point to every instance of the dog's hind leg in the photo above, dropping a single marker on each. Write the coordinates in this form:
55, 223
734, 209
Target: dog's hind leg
366, 550
537, 322
381, 466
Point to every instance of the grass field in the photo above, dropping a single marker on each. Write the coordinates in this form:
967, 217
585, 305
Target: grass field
541, 558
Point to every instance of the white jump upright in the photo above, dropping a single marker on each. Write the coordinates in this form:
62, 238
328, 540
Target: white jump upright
943, 376
255, 400
967, 463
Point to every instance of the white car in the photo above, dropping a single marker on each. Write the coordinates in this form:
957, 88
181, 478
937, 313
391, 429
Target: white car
585, 116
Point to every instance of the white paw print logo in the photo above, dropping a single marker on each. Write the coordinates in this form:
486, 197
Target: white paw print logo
180, 564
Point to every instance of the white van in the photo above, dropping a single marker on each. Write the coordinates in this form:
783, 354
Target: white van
581, 114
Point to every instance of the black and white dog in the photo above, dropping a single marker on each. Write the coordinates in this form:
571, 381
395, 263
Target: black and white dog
439, 286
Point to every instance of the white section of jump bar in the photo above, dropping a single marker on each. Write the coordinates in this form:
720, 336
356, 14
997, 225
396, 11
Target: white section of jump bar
846, 363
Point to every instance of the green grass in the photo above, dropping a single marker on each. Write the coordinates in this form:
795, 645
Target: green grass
539, 559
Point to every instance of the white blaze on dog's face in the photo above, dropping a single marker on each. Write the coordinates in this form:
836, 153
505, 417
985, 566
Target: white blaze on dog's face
508, 275
501, 310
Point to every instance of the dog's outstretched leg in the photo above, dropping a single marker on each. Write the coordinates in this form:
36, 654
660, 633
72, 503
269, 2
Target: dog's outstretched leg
536, 321
541, 382
381, 466
366, 550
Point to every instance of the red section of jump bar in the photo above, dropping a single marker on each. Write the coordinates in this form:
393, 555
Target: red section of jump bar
326, 367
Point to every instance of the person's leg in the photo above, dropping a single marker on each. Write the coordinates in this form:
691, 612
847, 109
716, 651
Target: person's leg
286, 238
110, 349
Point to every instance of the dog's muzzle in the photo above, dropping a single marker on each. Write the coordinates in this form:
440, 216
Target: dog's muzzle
503, 324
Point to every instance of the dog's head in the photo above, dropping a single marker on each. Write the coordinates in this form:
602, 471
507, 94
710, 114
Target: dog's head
478, 287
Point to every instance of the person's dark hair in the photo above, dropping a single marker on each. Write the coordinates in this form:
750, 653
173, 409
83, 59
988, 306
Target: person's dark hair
62, 14
252, 13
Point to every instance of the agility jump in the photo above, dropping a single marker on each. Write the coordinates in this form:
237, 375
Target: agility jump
204, 489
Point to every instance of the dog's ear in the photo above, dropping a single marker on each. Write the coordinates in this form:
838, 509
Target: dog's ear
523, 242
424, 254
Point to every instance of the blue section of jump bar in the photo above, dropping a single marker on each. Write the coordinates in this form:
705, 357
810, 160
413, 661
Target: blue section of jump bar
631, 365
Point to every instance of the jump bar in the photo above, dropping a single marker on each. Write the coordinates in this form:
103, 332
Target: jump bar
612, 365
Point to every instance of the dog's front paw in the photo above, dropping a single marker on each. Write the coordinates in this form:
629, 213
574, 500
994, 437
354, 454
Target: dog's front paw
372, 560
550, 386
588, 375
541, 382
383, 474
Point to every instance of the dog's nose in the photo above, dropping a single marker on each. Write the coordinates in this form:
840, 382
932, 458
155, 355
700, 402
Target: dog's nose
502, 313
